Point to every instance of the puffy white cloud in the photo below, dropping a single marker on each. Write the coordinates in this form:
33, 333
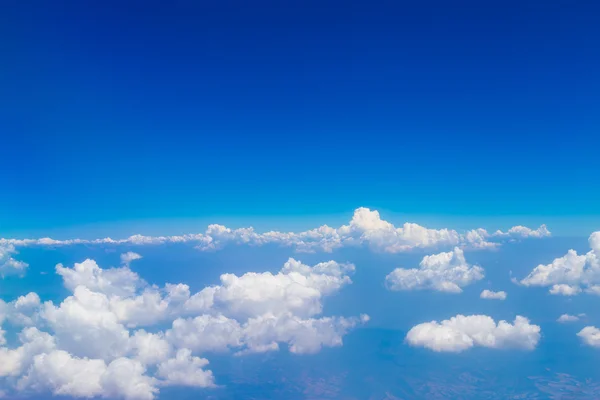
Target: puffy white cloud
8, 265
571, 274
444, 272
257, 311
127, 258
567, 318
463, 332
365, 228
13, 362
265, 332
125, 378
65, 375
185, 370
590, 336
565, 290
114, 281
92, 351
525, 232
490, 295
297, 288
205, 333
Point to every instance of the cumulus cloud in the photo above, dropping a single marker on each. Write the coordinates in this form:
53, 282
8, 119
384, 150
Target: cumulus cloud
464, 332
590, 336
567, 318
444, 272
127, 258
94, 348
185, 370
571, 274
365, 228
8, 265
490, 295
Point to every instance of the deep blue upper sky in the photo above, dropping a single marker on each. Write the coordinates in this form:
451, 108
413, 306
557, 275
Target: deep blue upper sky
112, 110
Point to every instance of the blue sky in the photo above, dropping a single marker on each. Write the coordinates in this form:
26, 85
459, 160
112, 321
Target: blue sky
406, 196
121, 111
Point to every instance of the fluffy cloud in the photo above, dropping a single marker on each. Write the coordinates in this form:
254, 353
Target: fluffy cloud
91, 349
365, 228
567, 318
127, 258
571, 274
185, 370
490, 295
115, 281
463, 332
590, 336
565, 290
444, 272
8, 265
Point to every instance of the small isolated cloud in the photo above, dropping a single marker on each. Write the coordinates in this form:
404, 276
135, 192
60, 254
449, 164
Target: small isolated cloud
490, 295
8, 265
445, 272
127, 258
590, 336
571, 274
366, 228
464, 332
567, 318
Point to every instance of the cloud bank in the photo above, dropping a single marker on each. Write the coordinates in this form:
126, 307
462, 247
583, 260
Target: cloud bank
102, 340
366, 228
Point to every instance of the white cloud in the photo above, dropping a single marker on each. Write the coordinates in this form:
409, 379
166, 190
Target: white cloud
91, 349
365, 228
565, 290
13, 362
114, 281
63, 374
490, 295
127, 258
8, 265
185, 370
567, 318
571, 274
444, 272
463, 332
525, 232
590, 336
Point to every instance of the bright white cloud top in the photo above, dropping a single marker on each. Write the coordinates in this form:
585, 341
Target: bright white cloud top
590, 336
461, 332
571, 274
93, 343
567, 318
491, 295
365, 228
445, 272
8, 265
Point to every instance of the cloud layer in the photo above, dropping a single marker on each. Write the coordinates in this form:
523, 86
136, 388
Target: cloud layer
365, 228
461, 332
